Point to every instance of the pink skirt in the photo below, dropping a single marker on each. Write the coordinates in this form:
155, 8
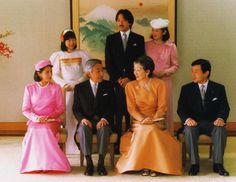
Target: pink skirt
41, 151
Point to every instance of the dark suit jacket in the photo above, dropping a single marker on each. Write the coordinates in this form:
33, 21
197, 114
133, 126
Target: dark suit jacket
87, 106
119, 63
190, 103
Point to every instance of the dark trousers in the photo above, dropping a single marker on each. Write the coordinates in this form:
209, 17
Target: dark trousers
121, 110
218, 135
86, 136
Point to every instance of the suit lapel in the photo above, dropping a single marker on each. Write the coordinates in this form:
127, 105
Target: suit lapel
98, 95
90, 91
209, 92
119, 42
197, 92
129, 39
88, 94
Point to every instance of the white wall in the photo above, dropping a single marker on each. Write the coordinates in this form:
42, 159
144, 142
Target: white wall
36, 25
206, 29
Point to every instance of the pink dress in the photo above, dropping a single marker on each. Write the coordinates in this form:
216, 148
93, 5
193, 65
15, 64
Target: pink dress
165, 59
41, 151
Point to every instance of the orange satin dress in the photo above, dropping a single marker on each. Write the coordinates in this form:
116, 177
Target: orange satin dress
147, 146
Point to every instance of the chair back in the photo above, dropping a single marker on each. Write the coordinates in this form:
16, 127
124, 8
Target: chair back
63, 116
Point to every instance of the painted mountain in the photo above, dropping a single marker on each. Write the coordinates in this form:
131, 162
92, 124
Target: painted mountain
96, 25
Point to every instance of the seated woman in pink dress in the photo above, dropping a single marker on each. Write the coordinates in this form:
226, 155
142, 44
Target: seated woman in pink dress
42, 105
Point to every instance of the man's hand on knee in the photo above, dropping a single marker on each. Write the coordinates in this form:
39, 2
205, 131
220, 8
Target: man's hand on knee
190, 122
219, 122
87, 123
102, 123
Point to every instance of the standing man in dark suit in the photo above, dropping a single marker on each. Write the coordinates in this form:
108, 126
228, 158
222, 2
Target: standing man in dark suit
94, 109
122, 48
204, 109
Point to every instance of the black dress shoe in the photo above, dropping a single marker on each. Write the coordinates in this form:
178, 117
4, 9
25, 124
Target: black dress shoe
89, 171
219, 168
194, 169
101, 170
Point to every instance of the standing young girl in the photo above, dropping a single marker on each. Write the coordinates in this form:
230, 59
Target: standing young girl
68, 71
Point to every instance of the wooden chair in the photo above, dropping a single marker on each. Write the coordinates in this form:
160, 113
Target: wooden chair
203, 140
63, 131
63, 138
110, 150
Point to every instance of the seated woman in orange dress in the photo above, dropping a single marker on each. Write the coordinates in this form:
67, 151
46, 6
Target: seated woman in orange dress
147, 147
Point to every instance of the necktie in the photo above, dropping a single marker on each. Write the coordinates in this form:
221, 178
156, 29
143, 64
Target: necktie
202, 90
95, 87
124, 41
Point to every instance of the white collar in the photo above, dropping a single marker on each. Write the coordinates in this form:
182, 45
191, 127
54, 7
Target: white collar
127, 33
92, 83
205, 85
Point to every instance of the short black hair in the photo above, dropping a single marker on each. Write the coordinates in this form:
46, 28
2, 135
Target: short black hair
147, 63
127, 16
205, 65
165, 36
68, 35
36, 76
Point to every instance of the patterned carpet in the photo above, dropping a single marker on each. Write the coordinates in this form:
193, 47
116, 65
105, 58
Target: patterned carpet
10, 154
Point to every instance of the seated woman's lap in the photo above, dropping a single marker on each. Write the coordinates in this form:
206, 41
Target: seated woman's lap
53, 126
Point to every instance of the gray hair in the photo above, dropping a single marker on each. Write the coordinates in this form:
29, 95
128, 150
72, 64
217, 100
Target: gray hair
91, 63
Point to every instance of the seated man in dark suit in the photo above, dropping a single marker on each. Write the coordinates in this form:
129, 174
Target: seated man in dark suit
204, 109
94, 109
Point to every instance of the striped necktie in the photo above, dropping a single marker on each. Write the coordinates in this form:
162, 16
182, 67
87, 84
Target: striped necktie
124, 40
203, 92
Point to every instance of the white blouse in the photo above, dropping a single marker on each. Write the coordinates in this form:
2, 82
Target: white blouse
68, 68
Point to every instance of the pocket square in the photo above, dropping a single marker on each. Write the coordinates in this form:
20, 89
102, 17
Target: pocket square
134, 44
105, 94
214, 99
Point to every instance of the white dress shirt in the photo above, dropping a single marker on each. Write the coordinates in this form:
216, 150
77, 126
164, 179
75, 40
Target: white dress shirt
127, 34
94, 87
205, 85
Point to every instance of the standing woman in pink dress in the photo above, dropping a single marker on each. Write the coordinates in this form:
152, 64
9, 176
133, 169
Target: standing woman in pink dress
164, 54
42, 105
